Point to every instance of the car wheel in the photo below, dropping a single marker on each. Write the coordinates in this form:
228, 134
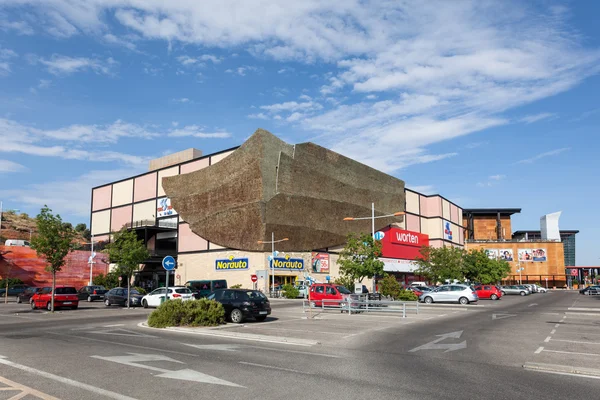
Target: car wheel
144, 303
522, 293
261, 318
428, 300
494, 296
107, 303
503, 293
236, 316
32, 304
49, 306
19, 300
89, 299
463, 301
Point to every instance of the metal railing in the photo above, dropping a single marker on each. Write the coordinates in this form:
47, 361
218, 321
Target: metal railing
361, 304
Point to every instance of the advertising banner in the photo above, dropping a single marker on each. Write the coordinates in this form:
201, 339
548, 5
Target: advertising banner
320, 262
525, 255
231, 263
506, 255
539, 255
164, 208
492, 253
288, 263
447, 230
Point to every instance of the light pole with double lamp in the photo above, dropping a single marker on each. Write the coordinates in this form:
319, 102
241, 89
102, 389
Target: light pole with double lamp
272, 242
520, 276
372, 218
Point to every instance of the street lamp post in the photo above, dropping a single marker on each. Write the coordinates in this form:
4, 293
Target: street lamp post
372, 218
272, 242
520, 276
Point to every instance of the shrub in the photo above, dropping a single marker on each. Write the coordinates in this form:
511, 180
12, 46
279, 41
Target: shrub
345, 281
290, 292
200, 312
237, 286
406, 295
109, 281
389, 286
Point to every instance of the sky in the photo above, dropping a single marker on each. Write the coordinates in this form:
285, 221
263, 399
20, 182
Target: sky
488, 103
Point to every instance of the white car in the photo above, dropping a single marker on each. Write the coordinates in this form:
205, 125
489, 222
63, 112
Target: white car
541, 289
156, 297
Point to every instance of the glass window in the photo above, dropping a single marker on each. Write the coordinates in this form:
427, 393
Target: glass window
66, 290
330, 290
444, 289
487, 288
343, 290
220, 284
319, 289
228, 295
211, 296
457, 288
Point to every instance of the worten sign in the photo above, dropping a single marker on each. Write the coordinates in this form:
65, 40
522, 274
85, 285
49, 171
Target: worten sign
402, 244
231, 263
294, 264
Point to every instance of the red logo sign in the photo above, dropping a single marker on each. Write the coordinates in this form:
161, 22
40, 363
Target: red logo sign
407, 238
254, 278
402, 244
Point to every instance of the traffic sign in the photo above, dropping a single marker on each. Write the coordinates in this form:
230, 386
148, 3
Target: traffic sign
178, 276
327, 278
120, 278
379, 235
168, 263
254, 278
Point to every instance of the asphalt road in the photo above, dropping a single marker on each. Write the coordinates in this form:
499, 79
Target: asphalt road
98, 353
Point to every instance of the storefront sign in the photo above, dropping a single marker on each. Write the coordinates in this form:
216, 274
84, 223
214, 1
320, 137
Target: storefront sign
231, 264
403, 244
164, 208
320, 262
288, 263
407, 238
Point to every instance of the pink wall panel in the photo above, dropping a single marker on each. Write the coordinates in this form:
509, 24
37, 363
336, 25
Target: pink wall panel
194, 166
461, 235
453, 213
101, 198
434, 206
423, 201
189, 241
436, 243
144, 187
119, 217
413, 223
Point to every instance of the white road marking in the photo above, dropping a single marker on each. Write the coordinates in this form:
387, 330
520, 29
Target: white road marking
557, 325
217, 347
532, 304
553, 331
434, 345
575, 341
133, 360
273, 367
547, 340
67, 381
539, 350
502, 316
127, 333
572, 352
568, 374
110, 326
550, 313
295, 352
25, 390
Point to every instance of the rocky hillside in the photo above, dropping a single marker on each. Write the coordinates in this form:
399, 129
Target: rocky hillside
21, 226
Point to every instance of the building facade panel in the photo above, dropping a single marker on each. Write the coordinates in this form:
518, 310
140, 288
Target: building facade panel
412, 202
163, 174
195, 165
145, 187
100, 222
454, 212
413, 223
216, 158
122, 193
101, 198
446, 209
144, 211
119, 217
189, 241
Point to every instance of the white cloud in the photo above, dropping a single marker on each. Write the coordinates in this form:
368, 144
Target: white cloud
498, 177
200, 61
241, 71
258, 116
543, 155
21, 27
491, 181
198, 132
292, 106
181, 100
296, 116
44, 83
112, 39
305, 97
371, 97
64, 65
10, 166
5, 56
529, 119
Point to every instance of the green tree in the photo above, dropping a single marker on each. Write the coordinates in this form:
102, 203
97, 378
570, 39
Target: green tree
128, 252
480, 268
345, 281
439, 264
53, 242
389, 286
109, 281
80, 227
359, 258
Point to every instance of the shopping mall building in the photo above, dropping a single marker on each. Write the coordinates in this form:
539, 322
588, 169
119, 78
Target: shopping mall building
217, 214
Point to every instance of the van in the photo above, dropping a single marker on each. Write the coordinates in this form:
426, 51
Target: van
202, 288
16, 242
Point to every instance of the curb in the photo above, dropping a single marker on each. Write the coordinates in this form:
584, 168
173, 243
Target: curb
565, 369
236, 335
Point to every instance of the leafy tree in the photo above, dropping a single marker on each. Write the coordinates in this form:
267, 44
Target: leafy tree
87, 235
80, 227
389, 286
109, 281
345, 281
438, 264
359, 258
54, 241
290, 292
128, 252
480, 268
68, 225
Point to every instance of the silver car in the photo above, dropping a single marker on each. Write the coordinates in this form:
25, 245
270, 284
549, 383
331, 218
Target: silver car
514, 289
455, 293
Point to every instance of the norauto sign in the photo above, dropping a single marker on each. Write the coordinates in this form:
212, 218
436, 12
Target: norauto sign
406, 237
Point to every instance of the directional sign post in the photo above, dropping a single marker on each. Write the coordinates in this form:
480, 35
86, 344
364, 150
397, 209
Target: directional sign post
168, 264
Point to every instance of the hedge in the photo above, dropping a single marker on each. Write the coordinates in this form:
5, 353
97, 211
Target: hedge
200, 312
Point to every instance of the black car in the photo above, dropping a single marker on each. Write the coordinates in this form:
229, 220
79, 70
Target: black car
119, 296
594, 289
14, 290
240, 304
91, 293
27, 294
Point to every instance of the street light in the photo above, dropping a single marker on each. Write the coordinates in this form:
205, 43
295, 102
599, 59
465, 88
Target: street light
372, 218
520, 276
272, 242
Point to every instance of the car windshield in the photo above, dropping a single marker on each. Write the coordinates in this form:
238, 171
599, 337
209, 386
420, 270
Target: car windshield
98, 288
255, 294
183, 290
343, 290
65, 290
132, 291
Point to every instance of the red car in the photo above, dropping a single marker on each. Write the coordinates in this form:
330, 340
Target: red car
64, 296
328, 292
488, 292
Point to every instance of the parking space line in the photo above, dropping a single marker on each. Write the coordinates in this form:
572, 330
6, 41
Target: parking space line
273, 367
553, 331
557, 325
25, 390
547, 340
575, 341
539, 350
571, 352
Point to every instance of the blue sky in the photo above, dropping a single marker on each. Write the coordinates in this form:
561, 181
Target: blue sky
491, 104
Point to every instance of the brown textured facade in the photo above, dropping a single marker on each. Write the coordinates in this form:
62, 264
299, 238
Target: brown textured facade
301, 192
485, 227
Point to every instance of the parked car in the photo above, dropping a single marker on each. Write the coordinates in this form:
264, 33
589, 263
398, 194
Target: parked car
27, 294
328, 292
514, 289
532, 288
302, 291
203, 288
525, 288
542, 289
488, 292
64, 296
14, 290
240, 304
118, 296
91, 293
591, 290
450, 294
156, 297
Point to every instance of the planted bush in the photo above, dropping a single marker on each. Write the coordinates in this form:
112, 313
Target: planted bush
407, 295
290, 292
200, 312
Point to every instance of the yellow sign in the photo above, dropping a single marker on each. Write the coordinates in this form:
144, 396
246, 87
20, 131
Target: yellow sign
231, 264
